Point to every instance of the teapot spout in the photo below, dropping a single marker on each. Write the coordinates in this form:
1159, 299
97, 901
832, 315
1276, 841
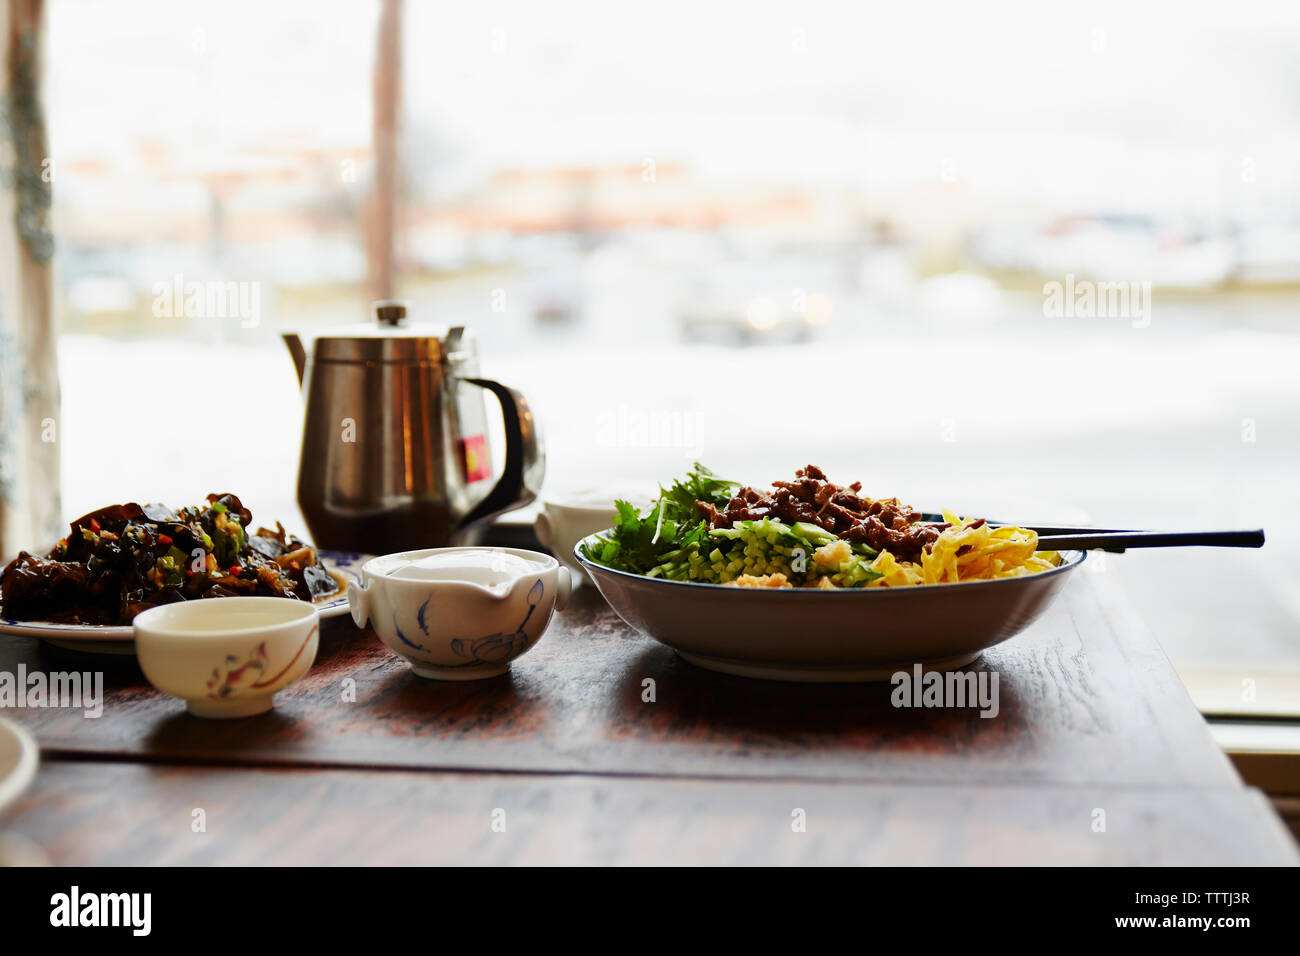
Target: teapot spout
297, 353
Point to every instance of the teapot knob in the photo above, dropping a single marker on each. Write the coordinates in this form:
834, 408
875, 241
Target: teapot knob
390, 311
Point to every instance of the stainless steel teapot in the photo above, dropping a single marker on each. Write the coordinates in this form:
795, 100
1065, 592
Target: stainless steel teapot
394, 447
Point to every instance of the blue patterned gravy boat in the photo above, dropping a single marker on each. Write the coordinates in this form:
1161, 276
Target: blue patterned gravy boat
459, 613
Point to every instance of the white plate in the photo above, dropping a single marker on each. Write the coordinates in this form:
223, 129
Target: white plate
17, 761
119, 639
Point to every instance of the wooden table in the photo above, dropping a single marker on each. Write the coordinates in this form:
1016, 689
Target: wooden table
563, 760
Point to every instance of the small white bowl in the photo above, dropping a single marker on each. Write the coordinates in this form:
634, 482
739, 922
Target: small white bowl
226, 657
567, 518
459, 613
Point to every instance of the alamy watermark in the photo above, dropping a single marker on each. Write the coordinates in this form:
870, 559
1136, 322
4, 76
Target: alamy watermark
75, 908
940, 689
179, 299
58, 689
1085, 299
627, 427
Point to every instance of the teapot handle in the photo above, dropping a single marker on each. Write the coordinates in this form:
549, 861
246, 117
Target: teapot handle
525, 460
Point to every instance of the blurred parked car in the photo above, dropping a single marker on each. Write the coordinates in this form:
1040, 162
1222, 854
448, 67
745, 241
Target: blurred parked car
1105, 247
749, 301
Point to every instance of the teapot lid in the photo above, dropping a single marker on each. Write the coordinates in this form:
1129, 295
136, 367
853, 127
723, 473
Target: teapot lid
389, 338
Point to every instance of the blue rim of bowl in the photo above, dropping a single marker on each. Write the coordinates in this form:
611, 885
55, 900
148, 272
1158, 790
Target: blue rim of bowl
1067, 564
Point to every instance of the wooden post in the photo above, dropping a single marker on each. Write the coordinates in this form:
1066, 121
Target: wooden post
380, 235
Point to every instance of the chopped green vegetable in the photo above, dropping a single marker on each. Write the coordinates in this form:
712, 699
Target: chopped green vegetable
671, 540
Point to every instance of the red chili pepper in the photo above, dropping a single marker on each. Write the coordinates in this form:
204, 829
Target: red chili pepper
164, 539
94, 526
235, 569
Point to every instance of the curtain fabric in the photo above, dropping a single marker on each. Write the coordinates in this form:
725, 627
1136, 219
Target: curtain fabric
30, 510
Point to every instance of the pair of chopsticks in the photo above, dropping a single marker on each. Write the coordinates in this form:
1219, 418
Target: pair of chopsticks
1111, 539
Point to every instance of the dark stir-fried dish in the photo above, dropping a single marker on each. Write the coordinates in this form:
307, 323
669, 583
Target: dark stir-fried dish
124, 559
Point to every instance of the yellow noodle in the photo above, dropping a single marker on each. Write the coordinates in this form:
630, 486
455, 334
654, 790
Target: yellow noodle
966, 553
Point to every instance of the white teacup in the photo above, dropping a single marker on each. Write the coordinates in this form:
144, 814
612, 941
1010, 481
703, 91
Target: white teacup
459, 613
226, 657
566, 519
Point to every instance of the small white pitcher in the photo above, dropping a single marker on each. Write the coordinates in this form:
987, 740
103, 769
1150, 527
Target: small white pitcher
459, 613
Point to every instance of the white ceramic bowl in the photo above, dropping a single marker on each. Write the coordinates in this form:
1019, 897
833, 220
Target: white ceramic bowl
459, 613
567, 518
841, 635
226, 657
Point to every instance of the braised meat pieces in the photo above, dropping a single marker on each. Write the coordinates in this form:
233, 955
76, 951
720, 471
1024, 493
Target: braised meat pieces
882, 523
123, 559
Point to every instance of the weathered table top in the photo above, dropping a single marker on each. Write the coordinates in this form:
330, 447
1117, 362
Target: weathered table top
364, 762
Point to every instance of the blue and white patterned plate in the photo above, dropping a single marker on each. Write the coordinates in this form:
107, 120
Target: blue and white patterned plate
119, 639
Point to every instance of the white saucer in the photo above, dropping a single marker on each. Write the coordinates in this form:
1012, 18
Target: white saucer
17, 761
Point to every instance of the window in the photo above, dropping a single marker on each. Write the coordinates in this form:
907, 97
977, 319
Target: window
1037, 262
